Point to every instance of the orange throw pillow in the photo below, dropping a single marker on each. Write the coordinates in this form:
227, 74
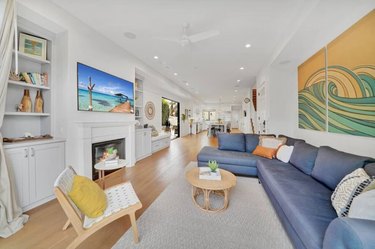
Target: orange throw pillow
265, 152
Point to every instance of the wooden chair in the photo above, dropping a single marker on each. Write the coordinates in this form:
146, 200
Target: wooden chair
121, 199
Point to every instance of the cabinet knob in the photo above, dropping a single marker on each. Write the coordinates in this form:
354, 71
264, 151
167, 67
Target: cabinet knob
26, 153
32, 152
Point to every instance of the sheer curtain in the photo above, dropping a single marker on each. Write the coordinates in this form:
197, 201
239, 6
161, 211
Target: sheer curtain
11, 217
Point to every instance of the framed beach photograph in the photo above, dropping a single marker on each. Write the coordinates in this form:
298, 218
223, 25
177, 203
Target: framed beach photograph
32, 45
99, 91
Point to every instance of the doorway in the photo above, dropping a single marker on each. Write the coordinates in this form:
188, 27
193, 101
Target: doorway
170, 117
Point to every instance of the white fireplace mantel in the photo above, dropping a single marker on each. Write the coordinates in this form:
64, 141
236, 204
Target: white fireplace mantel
94, 132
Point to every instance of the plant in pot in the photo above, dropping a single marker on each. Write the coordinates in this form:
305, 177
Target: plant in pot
213, 165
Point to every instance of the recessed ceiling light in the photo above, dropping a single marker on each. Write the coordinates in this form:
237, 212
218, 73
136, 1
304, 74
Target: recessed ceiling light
241, 68
236, 90
156, 57
248, 45
187, 84
175, 74
238, 80
130, 35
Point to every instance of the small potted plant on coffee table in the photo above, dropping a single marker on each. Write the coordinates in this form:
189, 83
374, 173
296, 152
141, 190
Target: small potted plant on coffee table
213, 165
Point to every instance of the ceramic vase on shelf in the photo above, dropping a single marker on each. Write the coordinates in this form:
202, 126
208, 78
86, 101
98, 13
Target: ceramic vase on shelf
38, 106
26, 101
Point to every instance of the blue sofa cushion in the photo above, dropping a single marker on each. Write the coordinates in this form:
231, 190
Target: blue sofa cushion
346, 233
234, 142
331, 165
303, 156
251, 142
290, 141
227, 157
235, 169
305, 202
370, 169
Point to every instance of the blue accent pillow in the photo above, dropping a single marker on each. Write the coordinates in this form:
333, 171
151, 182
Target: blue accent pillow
235, 142
331, 165
303, 157
251, 142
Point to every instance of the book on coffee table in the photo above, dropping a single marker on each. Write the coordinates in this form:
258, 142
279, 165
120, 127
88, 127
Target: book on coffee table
111, 163
206, 174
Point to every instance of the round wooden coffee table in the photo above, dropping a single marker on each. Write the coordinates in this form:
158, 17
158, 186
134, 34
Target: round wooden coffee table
222, 187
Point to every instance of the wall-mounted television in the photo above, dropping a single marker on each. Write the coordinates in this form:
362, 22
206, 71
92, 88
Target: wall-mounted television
99, 91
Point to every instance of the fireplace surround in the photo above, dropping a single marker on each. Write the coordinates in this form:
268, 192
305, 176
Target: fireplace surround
89, 133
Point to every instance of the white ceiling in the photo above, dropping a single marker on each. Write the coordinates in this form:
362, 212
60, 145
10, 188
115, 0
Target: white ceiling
211, 67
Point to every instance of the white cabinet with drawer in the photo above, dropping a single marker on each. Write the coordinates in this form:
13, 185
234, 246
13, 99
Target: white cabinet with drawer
160, 142
35, 167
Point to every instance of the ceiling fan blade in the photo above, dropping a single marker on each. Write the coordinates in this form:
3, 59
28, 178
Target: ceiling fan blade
169, 39
203, 35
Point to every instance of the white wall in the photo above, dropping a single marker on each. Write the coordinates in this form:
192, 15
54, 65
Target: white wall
78, 43
282, 99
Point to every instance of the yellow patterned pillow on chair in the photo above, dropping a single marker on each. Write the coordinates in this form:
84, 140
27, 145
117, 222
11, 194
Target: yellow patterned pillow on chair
88, 197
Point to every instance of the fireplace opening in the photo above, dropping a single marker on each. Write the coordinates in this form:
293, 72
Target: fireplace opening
104, 151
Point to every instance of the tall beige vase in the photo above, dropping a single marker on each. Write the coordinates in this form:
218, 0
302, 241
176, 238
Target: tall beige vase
26, 101
39, 103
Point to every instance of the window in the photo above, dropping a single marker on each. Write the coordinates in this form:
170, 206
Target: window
209, 115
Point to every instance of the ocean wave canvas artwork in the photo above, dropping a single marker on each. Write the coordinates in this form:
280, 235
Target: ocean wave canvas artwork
311, 93
351, 80
103, 92
347, 80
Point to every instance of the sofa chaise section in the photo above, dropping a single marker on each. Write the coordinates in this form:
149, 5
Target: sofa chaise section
242, 163
234, 153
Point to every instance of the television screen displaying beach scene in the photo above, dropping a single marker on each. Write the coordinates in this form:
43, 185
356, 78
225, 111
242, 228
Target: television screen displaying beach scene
102, 92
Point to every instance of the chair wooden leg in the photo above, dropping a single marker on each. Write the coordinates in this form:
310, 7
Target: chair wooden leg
134, 227
67, 223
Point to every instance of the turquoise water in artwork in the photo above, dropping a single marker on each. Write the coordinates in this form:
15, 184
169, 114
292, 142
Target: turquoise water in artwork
108, 91
100, 102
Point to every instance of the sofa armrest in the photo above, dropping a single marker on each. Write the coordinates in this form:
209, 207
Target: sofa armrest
348, 233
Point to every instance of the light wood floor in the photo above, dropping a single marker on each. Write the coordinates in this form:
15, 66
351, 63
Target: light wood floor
149, 177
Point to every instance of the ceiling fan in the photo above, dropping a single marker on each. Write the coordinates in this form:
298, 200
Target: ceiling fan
187, 39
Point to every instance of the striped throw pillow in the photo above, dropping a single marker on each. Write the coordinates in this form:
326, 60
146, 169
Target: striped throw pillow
349, 187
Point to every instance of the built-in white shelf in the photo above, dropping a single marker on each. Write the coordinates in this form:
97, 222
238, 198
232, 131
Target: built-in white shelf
138, 90
24, 84
31, 58
36, 114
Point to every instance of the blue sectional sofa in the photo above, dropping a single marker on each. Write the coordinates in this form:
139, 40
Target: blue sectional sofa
301, 190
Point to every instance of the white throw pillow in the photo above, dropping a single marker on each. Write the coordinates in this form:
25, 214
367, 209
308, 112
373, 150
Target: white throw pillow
349, 187
284, 153
363, 206
269, 142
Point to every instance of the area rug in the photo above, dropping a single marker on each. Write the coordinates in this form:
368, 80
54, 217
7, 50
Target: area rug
173, 221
